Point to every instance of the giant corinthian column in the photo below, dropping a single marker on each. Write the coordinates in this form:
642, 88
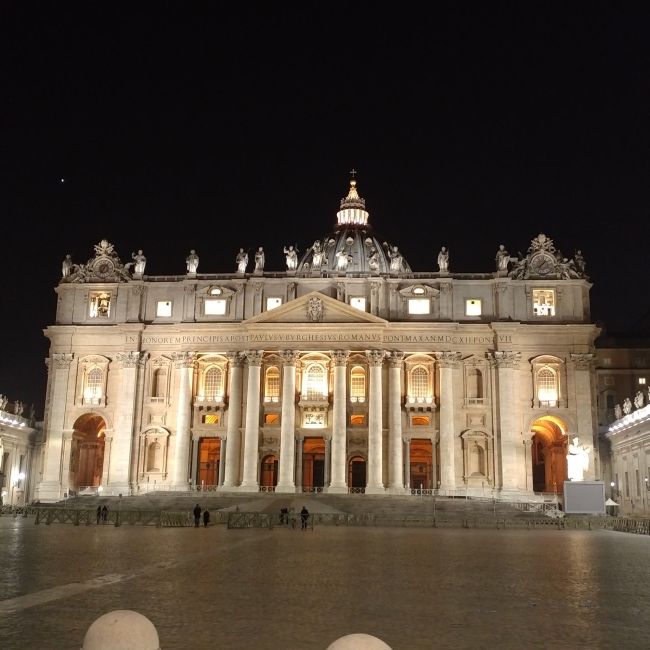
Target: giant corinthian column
184, 363
512, 476
582, 365
375, 432
395, 445
49, 489
447, 363
233, 434
120, 461
338, 449
250, 482
288, 422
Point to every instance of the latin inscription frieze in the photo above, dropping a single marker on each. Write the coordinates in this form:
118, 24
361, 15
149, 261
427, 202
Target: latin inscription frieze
317, 337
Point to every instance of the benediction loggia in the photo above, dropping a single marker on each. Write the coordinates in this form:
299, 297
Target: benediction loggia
346, 372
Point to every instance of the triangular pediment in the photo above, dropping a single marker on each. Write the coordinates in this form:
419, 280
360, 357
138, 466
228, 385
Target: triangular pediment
316, 307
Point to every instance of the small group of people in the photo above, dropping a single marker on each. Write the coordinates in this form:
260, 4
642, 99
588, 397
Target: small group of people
102, 514
287, 517
197, 516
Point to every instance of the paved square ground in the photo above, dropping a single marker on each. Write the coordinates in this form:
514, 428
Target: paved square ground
287, 589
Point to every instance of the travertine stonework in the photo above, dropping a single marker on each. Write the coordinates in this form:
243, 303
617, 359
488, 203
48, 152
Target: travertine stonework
346, 371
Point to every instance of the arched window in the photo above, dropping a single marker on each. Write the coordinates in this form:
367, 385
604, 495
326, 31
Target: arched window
154, 457
474, 383
547, 388
213, 383
93, 388
357, 384
315, 384
419, 384
272, 384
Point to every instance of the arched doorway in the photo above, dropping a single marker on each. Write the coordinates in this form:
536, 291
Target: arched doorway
357, 472
269, 472
548, 454
421, 465
209, 459
87, 451
313, 464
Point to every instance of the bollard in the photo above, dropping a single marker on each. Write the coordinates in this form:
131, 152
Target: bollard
121, 629
358, 642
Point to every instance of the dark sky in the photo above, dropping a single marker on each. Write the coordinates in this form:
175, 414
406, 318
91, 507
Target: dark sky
219, 125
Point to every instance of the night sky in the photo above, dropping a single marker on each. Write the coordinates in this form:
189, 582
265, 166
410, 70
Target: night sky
214, 126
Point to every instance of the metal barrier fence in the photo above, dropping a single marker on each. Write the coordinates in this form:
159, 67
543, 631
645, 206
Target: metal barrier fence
236, 519
249, 520
628, 525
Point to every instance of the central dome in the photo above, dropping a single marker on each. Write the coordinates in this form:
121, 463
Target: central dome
352, 247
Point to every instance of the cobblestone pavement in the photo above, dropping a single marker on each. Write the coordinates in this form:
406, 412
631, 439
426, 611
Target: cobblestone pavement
288, 589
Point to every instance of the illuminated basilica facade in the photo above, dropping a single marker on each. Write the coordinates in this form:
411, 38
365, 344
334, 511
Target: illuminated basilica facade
346, 372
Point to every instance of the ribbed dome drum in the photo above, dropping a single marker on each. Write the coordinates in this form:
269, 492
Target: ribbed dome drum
353, 248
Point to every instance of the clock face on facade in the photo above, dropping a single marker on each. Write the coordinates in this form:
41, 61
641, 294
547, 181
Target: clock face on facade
542, 265
103, 268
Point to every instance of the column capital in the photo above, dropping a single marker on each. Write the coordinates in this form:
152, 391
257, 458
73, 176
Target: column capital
254, 357
406, 440
183, 359
289, 357
375, 357
505, 358
340, 357
396, 358
235, 359
448, 359
582, 360
131, 359
62, 361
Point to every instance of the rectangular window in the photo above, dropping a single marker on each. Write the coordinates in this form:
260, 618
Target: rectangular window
627, 485
358, 303
212, 418
472, 307
544, 302
164, 308
638, 485
419, 306
272, 303
272, 418
215, 307
642, 381
100, 304
420, 421
357, 420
